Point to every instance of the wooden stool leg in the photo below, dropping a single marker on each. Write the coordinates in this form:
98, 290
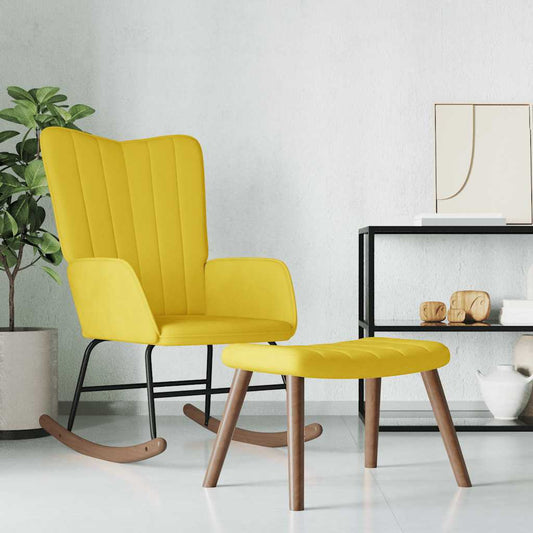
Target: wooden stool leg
295, 437
446, 428
372, 401
239, 386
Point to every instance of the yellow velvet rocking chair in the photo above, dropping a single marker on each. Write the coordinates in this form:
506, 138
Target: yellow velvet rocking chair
131, 220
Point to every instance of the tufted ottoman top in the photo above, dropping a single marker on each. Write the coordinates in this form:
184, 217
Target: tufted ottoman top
373, 357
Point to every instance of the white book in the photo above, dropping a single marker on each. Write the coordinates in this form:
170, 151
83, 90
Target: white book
517, 314
460, 219
516, 318
517, 304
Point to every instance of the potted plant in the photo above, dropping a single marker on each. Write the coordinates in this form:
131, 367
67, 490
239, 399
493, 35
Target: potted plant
28, 355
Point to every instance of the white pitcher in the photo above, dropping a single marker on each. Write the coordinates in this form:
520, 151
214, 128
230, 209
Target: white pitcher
505, 391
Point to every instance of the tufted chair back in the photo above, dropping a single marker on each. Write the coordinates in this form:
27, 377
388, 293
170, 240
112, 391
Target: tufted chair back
142, 201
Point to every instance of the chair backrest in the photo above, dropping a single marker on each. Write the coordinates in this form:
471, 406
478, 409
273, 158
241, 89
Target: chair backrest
142, 201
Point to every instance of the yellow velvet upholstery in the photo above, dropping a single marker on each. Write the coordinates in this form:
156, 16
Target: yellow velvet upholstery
131, 220
259, 288
373, 357
110, 301
208, 329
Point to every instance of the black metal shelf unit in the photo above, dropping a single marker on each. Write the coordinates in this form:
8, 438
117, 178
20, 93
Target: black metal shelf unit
369, 326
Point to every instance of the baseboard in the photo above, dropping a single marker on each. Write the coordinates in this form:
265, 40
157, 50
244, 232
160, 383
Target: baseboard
326, 408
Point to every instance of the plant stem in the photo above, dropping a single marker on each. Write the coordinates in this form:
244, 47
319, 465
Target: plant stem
19, 259
30, 264
11, 275
11, 303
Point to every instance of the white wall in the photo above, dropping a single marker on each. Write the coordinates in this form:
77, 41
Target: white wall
315, 118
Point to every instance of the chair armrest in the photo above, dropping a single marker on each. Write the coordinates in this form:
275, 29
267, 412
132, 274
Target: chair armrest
110, 301
250, 287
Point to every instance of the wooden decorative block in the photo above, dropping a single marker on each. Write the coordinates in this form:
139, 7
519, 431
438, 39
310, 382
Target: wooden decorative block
432, 311
456, 315
476, 304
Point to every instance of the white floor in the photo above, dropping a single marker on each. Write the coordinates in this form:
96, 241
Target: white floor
45, 487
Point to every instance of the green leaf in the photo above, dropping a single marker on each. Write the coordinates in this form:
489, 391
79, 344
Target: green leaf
59, 112
9, 114
8, 194
10, 256
18, 170
71, 126
20, 210
32, 211
30, 106
34, 240
27, 150
37, 216
57, 98
9, 179
8, 183
45, 93
18, 93
41, 190
34, 174
53, 274
8, 134
54, 259
44, 120
43, 117
7, 158
56, 121
10, 224
78, 111
25, 116
56, 114
13, 242
49, 244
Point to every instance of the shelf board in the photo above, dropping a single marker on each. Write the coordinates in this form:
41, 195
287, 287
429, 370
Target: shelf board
417, 325
463, 421
449, 230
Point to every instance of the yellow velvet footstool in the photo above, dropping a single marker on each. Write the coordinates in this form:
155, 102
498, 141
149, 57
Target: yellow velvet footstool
369, 359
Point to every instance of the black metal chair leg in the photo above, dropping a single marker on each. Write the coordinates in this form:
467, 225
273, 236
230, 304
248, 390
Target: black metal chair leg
283, 378
208, 374
81, 379
150, 389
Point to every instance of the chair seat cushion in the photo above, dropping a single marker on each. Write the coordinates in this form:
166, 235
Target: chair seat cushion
373, 357
176, 330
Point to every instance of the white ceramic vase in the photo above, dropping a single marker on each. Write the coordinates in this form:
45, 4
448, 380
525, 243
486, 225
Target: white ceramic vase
28, 380
505, 391
523, 362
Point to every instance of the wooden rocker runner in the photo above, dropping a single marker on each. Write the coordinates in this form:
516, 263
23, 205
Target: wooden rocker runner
132, 224
115, 454
369, 359
259, 438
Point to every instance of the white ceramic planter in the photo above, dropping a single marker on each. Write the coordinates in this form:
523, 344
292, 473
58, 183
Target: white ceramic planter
523, 360
505, 391
28, 380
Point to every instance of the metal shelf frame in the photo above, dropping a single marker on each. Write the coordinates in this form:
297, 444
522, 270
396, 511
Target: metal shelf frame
368, 325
